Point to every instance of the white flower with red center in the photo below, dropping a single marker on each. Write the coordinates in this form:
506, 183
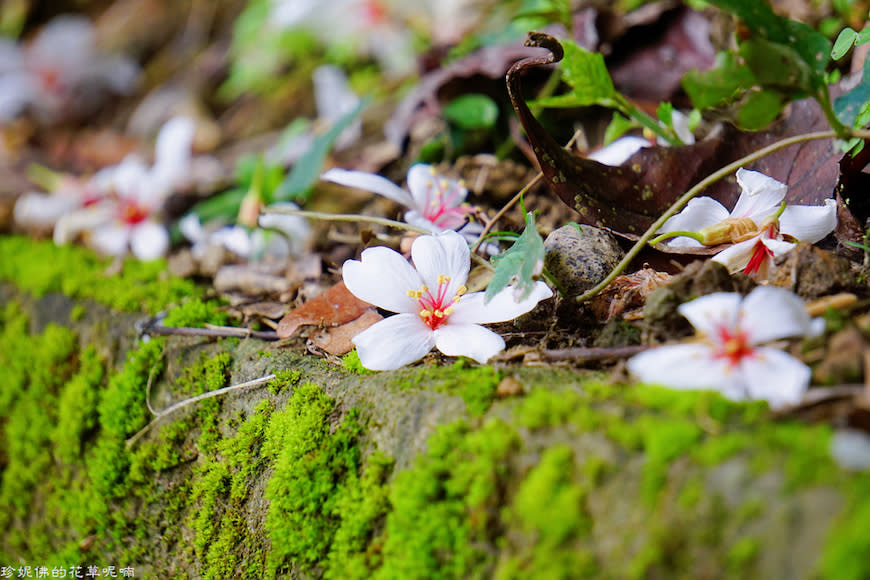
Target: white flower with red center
435, 203
730, 359
126, 219
430, 298
60, 72
758, 226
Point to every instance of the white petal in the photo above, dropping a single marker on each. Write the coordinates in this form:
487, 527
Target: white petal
394, 342
444, 254
471, 308
72, 224
760, 196
172, 152
110, 239
295, 227
736, 257
618, 151
809, 223
775, 376
40, 209
383, 277
369, 182
699, 213
680, 122
424, 185
191, 228
414, 218
149, 241
682, 366
768, 313
469, 340
236, 239
712, 312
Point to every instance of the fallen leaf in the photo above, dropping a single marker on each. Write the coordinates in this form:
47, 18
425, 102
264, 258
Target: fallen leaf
337, 340
333, 307
628, 199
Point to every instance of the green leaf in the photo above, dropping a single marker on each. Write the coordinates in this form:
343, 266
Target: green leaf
519, 264
849, 106
776, 65
759, 108
473, 111
844, 43
812, 46
720, 85
587, 74
221, 206
617, 128
863, 36
665, 113
307, 169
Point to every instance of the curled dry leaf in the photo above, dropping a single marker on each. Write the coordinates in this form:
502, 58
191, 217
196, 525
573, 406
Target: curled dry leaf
627, 199
337, 340
333, 307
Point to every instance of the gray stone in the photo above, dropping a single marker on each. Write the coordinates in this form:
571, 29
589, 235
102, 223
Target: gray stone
580, 257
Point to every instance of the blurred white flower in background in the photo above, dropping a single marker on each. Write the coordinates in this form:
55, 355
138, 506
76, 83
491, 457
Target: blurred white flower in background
61, 72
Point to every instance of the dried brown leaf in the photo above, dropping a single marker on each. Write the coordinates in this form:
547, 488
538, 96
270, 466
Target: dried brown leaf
333, 307
337, 340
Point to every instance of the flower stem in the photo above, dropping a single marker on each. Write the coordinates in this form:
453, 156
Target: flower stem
676, 234
346, 217
698, 188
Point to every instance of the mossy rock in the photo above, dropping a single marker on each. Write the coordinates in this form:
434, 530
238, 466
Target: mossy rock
330, 471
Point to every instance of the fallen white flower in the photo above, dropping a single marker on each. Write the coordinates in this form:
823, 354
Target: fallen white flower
758, 226
433, 308
435, 203
730, 360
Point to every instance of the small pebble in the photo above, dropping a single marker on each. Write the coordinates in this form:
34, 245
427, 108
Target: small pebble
850, 448
581, 257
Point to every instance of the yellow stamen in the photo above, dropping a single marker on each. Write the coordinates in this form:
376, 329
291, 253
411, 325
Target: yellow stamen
425, 313
461, 290
448, 311
442, 279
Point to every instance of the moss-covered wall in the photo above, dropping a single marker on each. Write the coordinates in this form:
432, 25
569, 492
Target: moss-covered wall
335, 472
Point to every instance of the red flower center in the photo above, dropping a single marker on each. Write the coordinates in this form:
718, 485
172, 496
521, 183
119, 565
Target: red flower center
436, 308
133, 213
734, 345
760, 252
440, 207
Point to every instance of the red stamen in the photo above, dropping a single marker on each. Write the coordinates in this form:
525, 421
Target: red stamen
132, 213
734, 345
436, 309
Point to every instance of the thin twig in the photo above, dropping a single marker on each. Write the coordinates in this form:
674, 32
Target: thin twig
220, 331
347, 217
698, 188
592, 353
517, 197
186, 402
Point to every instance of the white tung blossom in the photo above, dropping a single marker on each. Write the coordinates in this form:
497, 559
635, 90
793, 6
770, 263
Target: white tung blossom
431, 301
60, 71
435, 203
731, 360
758, 226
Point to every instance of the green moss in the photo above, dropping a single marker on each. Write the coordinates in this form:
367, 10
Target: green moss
847, 552
445, 507
742, 555
40, 267
194, 313
284, 379
310, 463
549, 509
221, 486
77, 313
351, 363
